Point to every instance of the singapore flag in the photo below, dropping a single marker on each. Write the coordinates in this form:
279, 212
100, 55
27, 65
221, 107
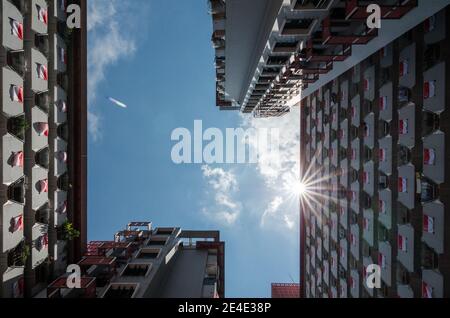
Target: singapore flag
429, 89
427, 290
42, 72
428, 224
403, 127
429, 156
42, 14
402, 185
16, 29
383, 102
382, 206
16, 93
382, 154
402, 243
18, 223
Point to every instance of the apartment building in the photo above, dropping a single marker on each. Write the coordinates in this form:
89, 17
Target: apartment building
373, 131
42, 143
142, 262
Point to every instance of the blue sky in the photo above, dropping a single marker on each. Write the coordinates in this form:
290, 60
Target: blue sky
156, 56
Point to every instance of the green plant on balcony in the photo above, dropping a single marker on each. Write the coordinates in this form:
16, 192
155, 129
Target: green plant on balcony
68, 232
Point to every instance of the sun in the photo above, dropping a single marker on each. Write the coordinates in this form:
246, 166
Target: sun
300, 188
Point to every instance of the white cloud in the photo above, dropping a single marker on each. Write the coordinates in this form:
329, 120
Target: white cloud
225, 209
279, 175
111, 38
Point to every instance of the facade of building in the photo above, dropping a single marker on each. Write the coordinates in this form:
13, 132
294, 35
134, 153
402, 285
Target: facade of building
375, 135
285, 290
42, 143
373, 131
142, 262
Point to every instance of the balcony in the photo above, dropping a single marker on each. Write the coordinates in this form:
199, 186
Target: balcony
432, 284
405, 246
103, 268
136, 270
13, 161
385, 262
391, 9
434, 157
40, 244
12, 226
434, 89
335, 32
121, 291
433, 226
39, 19
12, 104
59, 289
12, 19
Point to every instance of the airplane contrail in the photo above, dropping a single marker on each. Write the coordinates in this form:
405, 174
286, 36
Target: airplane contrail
116, 102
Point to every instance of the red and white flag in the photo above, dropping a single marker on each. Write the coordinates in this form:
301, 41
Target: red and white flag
42, 72
403, 127
62, 156
382, 206
383, 102
366, 131
353, 196
428, 224
404, 68
402, 243
62, 208
366, 224
341, 134
353, 154
382, 154
16, 93
427, 290
429, 89
366, 84
16, 28
42, 14
341, 211
429, 156
352, 283
42, 129
430, 24
366, 178
353, 108
18, 223
382, 260
18, 158
353, 239
402, 185
43, 186
62, 106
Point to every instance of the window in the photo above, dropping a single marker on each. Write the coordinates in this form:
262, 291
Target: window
136, 270
149, 253
164, 231
121, 291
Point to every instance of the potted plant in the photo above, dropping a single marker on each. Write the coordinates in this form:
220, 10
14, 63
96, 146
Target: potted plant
67, 232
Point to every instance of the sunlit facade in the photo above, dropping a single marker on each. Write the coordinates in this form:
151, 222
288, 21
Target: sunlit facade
374, 139
43, 143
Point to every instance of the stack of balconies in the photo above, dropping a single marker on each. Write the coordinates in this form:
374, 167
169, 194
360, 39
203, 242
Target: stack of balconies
366, 131
34, 143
